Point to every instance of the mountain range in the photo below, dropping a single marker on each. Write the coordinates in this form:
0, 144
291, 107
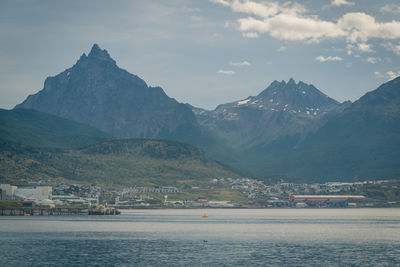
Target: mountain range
288, 129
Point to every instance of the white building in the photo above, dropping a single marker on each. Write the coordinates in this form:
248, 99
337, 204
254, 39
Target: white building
33, 192
8, 191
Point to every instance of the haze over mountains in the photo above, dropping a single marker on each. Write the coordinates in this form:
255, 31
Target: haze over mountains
289, 128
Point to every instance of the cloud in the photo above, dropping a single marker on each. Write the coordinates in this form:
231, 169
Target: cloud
393, 74
226, 72
361, 27
291, 22
329, 58
250, 34
221, 2
393, 8
364, 47
292, 27
390, 75
282, 48
373, 60
239, 64
341, 3
392, 47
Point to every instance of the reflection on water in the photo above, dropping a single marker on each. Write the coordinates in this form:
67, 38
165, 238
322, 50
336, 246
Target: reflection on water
333, 237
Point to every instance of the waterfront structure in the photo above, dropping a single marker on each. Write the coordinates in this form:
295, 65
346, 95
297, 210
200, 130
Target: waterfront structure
75, 200
324, 200
33, 192
7, 191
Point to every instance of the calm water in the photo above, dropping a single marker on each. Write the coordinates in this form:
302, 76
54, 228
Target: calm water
274, 237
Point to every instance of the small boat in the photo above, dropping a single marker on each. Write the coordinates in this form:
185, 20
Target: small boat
204, 216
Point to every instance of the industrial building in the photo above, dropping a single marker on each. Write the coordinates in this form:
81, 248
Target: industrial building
324, 200
7, 191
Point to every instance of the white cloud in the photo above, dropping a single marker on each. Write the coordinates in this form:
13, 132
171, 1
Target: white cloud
226, 72
393, 74
266, 9
361, 27
239, 64
221, 2
360, 47
393, 8
363, 47
373, 60
292, 27
329, 58
250, 34
282, 48
341, 3
392, 47
290, 21
390, 75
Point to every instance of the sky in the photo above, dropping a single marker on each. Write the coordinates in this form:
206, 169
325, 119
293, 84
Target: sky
206, 52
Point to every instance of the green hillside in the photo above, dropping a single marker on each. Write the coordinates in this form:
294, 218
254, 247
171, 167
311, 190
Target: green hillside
40, 129
117, 162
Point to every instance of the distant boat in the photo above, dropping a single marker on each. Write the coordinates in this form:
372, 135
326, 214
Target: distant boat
204, 216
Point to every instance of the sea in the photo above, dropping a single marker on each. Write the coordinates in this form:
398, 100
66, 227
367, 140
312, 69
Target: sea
227, 237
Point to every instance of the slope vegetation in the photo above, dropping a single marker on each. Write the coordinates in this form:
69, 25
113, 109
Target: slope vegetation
117, 162
40, 129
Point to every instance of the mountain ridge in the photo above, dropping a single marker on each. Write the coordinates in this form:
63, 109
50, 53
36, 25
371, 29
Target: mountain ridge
282, 109
95, 91
363, 141
38, 129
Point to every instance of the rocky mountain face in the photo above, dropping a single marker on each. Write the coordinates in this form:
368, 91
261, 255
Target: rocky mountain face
95, 91
284, 109
361, 142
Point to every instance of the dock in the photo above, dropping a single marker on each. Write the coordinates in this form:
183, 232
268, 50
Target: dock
41, 211
102, 210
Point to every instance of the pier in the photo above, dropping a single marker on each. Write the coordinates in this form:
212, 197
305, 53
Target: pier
102, 210
41, 211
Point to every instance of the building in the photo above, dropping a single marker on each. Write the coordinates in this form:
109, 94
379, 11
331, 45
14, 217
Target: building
325, 200
75, 200
34, 192
7, 191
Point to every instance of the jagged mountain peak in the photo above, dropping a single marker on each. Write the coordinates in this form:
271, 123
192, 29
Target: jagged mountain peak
282, 109
297, 95
95, 91
291, 82
97, 52
290, 85
95, 57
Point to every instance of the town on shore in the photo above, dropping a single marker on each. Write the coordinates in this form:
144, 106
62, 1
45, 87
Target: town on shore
217, 193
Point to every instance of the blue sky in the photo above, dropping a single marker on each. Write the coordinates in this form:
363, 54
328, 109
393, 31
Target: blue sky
205, 52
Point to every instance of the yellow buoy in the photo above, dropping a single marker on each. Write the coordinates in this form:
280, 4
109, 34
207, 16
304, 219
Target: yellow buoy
204, 216
27, 214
